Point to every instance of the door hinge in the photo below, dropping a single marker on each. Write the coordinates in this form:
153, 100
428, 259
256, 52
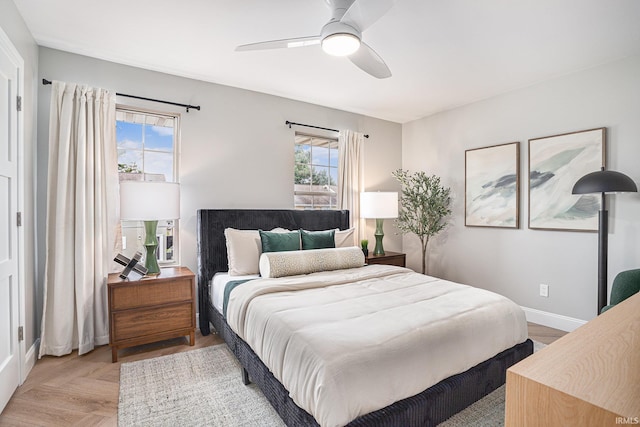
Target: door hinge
19, 103
20, 333
19, 219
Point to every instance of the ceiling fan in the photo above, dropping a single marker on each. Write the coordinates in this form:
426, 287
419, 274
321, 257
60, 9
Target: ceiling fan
342, 35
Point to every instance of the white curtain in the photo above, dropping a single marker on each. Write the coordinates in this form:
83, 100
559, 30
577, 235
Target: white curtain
82, 213
351, 177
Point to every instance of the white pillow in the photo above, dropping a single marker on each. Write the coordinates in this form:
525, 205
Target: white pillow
345, 238
291, 263
243, 250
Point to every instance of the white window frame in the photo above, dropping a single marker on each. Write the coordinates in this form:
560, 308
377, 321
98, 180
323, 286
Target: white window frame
162, 225
321, 140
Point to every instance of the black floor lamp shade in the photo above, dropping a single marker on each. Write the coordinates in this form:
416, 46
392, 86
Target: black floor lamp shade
603, 182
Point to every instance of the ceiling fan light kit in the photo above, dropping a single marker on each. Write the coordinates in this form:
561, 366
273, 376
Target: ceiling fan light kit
339, 39
341, 44
342, 35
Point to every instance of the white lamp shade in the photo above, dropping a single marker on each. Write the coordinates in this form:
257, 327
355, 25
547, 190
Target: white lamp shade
379, 205
149, 201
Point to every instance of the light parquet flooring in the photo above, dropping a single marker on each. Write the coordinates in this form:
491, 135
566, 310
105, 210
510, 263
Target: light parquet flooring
83, 390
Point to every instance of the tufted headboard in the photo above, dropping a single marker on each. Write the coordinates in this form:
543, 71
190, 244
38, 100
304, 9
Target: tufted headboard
212, 247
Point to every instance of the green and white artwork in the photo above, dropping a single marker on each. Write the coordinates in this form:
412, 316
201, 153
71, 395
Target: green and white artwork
492, 186
555, 164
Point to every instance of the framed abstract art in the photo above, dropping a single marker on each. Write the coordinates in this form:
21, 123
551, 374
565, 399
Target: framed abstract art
492, 186
555, 164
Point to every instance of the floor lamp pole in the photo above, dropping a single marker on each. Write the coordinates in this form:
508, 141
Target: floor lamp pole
603, 235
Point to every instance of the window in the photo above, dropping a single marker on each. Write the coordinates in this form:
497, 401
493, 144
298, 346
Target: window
316, 172
147, 144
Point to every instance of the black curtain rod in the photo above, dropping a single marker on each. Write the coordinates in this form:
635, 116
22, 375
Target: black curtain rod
288, 123
187, 106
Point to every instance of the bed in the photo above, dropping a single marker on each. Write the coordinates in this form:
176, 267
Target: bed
427, 407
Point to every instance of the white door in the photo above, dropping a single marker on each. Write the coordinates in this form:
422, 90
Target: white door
9, 340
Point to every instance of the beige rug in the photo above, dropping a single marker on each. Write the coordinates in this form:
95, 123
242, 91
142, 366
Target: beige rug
204, 388
200, 387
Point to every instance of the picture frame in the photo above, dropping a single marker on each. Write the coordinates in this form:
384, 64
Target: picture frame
492, 186
555, 164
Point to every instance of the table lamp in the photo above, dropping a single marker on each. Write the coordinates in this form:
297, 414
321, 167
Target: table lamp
149, 201
603, 182
379, 205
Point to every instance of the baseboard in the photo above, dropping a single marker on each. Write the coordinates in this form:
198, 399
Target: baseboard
552, 320
30, 359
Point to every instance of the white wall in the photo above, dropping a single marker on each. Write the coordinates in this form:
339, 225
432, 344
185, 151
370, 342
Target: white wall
236, 152
515, 262
12, 24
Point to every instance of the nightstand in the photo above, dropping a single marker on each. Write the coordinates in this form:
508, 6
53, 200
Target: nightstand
154, 308
389, 258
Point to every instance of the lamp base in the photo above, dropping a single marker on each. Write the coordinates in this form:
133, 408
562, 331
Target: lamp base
151, 245
379, 234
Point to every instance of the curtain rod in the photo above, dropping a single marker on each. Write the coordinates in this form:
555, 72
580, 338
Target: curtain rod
187, 106
288, 123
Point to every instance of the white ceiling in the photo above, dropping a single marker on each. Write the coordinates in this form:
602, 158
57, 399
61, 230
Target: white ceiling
442, 53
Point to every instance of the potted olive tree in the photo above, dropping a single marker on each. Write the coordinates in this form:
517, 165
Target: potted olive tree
424, 207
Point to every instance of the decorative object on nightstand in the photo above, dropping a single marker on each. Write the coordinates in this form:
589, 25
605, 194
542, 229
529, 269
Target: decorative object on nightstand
364, 244
150, 201
603, 182
379, 205
153, 309
424, 207
131, 266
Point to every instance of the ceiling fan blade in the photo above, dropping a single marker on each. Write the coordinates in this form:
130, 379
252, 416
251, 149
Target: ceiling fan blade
369, 61
279, 44
362, 14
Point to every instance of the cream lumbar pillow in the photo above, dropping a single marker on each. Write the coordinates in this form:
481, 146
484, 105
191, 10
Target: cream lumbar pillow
291, 263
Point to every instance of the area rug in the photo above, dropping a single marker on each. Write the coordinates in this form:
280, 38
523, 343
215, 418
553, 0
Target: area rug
204, 388
200, 387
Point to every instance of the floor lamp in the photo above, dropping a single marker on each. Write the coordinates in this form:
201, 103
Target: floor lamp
603, 182
149, 201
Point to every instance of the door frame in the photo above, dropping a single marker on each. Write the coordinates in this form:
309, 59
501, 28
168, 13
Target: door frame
8, 47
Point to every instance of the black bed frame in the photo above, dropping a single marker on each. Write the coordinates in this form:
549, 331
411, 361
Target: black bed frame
427, 408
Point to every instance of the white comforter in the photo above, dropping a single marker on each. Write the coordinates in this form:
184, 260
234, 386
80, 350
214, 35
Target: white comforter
349, 342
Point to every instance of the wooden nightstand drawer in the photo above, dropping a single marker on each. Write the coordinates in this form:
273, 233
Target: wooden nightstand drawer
389, 258
152, 309
138, 323
142, 294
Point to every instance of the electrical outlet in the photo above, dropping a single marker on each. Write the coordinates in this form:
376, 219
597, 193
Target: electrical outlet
544, 290
124, 242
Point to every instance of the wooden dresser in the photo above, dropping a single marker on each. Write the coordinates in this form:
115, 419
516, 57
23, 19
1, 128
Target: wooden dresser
152, 309
389, 258
589, 377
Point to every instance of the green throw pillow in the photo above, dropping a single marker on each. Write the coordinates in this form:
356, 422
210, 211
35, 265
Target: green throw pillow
280, 242
318, 239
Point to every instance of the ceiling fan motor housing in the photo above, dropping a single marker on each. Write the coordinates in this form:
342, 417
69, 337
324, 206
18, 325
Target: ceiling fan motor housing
337, 27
